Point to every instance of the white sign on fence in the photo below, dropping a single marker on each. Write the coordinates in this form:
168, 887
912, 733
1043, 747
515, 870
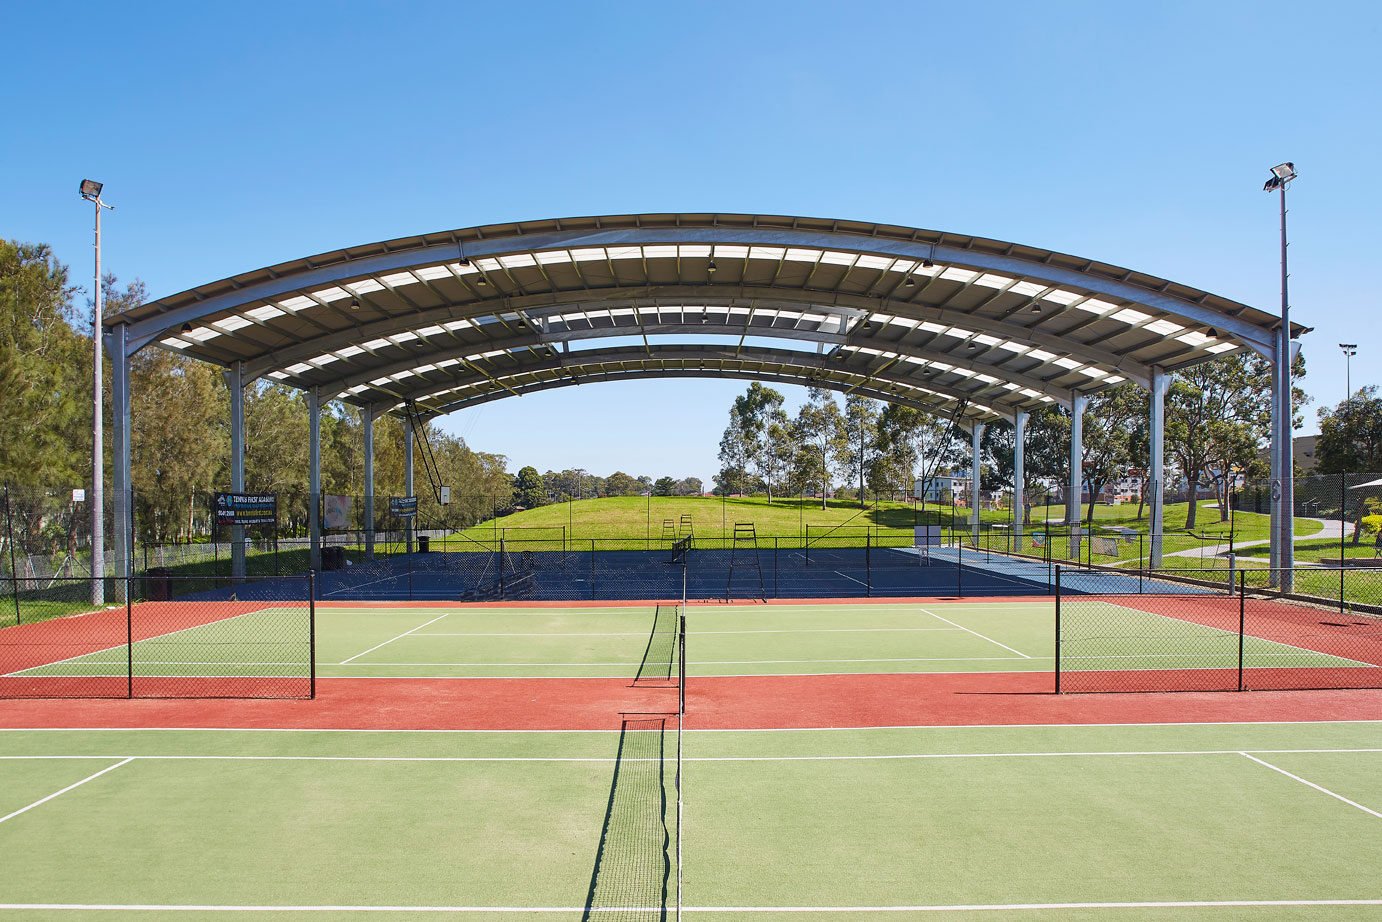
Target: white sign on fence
79, 495
446, 496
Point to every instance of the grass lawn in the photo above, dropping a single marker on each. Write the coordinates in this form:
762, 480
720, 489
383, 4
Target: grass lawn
641, 517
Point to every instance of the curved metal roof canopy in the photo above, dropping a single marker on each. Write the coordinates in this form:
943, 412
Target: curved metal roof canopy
927, 318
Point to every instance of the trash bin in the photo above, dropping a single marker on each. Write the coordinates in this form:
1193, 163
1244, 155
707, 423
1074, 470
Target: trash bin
424, 543
158, 584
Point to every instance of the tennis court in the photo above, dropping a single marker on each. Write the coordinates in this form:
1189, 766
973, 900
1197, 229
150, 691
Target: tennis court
357, 640
1141, 822
511, 761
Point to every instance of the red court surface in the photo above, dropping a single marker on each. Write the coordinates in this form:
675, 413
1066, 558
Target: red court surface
753, 702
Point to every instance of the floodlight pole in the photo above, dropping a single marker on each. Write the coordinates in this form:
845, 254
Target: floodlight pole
1285, 429
98, 536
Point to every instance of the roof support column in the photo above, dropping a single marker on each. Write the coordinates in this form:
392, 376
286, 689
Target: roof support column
369, 482
314, 478
1078, 404
1019, 476
977, 434
408, 477
235, 382
1283, 552
1156, 465
123, 525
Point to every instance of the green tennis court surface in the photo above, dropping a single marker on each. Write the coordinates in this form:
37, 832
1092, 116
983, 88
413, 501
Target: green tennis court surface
729, 640
503, 825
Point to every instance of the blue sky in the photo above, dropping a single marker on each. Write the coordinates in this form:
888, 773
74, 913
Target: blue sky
236, 136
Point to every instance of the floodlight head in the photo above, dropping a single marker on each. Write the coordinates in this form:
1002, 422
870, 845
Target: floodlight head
91, 189
1282, 173
1350, 349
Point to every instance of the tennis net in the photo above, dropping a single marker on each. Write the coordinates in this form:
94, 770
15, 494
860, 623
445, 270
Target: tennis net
638, 865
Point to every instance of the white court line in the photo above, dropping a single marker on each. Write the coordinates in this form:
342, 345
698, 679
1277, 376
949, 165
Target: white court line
44, 800
882, 757
975, 633
120, 646
850, 578
720, 662
392, 639
1311, 784
1232, 635
808, 630
1184, 723
519, 910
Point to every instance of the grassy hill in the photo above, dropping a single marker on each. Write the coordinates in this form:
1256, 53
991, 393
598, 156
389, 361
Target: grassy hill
640, 517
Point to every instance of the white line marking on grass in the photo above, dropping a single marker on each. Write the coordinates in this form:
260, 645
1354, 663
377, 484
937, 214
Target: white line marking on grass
975, 633
120, 646
894, 727
884, 757
1233, 636
1311, 784
392, 639
44, 800
821, 630
957, 907
721, 662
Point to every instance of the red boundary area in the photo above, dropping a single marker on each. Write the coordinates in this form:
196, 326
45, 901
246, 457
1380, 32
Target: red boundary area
43, 643
757, 702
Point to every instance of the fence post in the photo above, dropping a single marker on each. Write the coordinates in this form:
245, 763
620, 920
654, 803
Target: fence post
959, 565
775, 546
592, 569
129, 636
1058, 669
1242, 621
312, 633
868, 566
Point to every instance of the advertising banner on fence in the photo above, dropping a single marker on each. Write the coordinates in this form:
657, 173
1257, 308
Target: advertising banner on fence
336, 512
403, 507
246, 508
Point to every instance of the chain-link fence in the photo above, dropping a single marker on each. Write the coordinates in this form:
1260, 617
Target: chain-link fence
200, 638
1189, 630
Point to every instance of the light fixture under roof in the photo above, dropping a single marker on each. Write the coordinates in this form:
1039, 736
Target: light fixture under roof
185, 328
710, 267
911, 282
481, 280
355, 304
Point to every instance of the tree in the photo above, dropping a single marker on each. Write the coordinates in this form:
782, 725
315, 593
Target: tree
1045, 455
664, 486
45, 370
1111, 424
820, 431
621, 484
1350, 439
528, 489
689, 486
1217, 414
861, 431
1350, 442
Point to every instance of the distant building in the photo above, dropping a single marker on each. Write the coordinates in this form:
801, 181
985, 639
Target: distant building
1302, 452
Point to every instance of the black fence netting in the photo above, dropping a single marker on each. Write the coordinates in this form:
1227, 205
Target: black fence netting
206, 638
1188, 630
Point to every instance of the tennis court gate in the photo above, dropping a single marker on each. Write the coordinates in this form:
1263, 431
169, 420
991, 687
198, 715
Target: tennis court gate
1209, 630
216, 638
